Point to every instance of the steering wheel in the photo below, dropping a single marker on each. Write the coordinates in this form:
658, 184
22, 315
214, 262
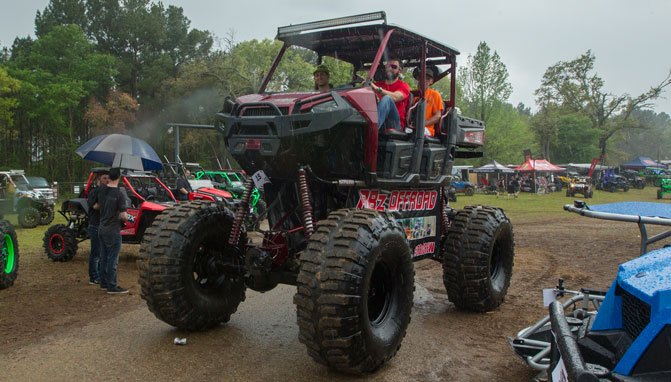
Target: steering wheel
149, 197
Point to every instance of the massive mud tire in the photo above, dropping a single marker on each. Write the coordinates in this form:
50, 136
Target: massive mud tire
354, 291
190, 277
29, 217
60, 243
46, 216
478, 257
9, 255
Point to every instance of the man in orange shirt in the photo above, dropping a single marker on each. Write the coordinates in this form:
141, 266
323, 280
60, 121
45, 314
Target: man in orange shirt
434, 102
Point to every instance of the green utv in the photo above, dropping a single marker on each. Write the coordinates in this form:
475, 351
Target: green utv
350, 207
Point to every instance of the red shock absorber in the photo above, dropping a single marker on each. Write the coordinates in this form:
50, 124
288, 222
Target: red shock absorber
241, 213
304, 193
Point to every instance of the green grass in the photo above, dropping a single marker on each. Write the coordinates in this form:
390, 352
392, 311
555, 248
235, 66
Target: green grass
526, 207
531, 206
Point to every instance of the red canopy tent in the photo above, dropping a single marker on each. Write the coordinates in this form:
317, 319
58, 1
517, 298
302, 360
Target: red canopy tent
541, 165
538, 165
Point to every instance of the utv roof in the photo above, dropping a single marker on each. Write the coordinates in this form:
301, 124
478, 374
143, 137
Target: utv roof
346, 39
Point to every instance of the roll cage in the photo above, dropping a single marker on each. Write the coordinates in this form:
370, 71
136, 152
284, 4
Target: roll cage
365, 46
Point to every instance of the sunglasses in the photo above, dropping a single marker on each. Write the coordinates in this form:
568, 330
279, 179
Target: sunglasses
392, 66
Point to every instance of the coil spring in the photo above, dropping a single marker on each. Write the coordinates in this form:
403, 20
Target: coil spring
443, 212
241, 213
304, 193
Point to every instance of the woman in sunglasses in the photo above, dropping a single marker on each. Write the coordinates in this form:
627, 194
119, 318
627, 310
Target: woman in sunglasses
393, 93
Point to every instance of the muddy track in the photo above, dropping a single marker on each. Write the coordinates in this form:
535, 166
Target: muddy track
52, 318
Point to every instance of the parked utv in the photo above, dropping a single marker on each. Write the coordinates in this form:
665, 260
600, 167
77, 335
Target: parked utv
147, 197
611, 183
9, 254
31, 205
462, 185
634, 179
664, 188
350, 207
580, 185
653, 176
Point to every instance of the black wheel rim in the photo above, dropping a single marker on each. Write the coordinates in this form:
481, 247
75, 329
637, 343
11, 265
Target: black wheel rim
214, 262
497, 272
380, 294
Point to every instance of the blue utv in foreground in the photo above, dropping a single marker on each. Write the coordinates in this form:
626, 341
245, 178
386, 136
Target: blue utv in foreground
621, 335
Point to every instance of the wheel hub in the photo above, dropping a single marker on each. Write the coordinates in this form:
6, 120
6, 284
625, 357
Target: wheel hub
379, 294
7, 254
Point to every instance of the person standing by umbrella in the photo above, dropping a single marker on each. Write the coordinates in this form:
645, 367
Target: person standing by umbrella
102, 178
183, 186
112, 214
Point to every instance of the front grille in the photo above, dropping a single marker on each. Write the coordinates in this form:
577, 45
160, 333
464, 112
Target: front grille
262, 111
635, 314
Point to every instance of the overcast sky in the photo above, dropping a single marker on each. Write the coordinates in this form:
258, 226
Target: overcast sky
630, 39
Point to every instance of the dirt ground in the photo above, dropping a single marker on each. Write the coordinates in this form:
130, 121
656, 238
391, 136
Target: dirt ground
54, 326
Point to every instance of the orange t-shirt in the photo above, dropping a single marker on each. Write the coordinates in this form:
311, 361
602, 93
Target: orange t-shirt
434, 102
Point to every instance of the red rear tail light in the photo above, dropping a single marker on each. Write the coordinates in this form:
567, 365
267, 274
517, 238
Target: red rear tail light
253, 144
475, 137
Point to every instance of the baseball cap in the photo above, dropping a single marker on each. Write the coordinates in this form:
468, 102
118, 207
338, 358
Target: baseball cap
322, 68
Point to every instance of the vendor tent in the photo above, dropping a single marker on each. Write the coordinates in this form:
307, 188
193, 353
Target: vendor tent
540, 165
494, 167
641, 162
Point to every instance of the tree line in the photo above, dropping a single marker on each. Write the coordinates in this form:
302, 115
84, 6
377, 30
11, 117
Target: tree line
133, 66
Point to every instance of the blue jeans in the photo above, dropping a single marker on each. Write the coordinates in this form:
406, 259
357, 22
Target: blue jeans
110, 245
388, 114
94, 255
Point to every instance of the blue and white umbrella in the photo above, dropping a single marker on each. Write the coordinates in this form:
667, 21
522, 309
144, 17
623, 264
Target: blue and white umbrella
119, 150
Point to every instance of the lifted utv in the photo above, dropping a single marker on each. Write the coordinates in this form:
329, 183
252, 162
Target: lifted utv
349, 207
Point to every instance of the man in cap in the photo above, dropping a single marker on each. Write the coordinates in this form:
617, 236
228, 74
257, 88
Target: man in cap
322, 75
394, 95
434, 102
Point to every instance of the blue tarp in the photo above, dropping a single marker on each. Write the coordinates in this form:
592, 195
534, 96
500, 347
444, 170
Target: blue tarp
651, 209
640, 162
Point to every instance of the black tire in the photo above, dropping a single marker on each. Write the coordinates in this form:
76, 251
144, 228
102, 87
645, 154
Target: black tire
354, 291
46, 216
469, 191
9, 255
659, 194
478, 258
657, 182
180, 258
29, 217
60, 243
